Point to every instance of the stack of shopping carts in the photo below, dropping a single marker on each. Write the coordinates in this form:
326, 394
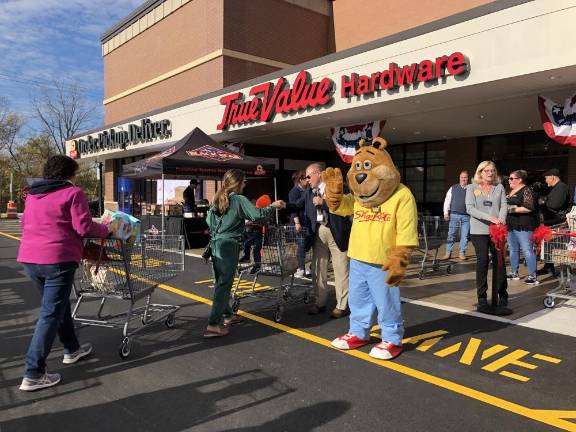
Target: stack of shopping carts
432, 235
128, 272
279, 260
560, 250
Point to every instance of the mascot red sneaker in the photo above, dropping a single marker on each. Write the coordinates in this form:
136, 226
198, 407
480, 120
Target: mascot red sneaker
384, 232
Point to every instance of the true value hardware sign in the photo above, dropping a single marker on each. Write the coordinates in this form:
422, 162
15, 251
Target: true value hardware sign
270, 98
119, 139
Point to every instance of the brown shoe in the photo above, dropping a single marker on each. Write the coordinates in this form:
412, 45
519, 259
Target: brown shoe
338, 313
462, 257
447, 256
315, 310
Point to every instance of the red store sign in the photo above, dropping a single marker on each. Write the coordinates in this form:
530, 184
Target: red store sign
269, 98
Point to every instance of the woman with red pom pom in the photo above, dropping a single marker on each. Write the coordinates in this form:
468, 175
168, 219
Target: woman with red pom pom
486, 205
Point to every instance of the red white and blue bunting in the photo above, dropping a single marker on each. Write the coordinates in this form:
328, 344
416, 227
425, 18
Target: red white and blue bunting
346, 138
559, 121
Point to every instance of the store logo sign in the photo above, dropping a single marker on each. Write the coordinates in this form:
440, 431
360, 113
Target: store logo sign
113, 139
268, 99
397, 76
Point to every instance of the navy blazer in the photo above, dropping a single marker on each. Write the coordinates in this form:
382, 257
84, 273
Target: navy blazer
340, 226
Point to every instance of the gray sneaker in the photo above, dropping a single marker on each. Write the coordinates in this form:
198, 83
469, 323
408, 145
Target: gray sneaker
80, 353
45, 381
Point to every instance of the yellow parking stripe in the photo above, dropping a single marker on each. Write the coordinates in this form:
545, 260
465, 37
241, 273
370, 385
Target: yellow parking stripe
554, 418
9, 236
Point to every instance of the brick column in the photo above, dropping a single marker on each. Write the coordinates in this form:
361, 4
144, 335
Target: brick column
109, 179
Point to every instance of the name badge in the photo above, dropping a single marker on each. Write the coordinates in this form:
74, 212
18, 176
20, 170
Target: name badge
487, 203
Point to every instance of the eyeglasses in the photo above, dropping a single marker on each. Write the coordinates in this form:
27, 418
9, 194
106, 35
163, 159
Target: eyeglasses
310, 175
513, 178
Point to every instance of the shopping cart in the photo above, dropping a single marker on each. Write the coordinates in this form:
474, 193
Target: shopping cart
560, 250
432, 235
279, 260
129, 272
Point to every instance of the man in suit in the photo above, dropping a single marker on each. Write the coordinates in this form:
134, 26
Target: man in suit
330, 235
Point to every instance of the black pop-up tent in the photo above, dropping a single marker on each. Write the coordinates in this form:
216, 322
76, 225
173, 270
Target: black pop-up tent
197, 155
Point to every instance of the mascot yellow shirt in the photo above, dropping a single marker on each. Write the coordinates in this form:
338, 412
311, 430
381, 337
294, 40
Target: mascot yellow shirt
395, 223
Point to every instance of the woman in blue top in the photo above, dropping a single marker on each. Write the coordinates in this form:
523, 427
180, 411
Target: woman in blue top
226, 219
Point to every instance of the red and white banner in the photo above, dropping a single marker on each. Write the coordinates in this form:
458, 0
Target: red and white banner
346, 138
559, 121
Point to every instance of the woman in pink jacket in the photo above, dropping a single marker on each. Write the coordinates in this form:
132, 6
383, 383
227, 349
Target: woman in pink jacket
56, 218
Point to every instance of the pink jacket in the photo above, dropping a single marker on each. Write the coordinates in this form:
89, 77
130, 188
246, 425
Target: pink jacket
53, 225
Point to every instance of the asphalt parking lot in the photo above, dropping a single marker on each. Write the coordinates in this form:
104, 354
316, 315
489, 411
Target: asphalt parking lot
458, 372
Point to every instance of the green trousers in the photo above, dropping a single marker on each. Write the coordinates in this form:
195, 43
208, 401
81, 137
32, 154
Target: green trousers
224, 263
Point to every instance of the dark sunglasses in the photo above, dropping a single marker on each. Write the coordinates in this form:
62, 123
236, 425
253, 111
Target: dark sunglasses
513, 178
309, 176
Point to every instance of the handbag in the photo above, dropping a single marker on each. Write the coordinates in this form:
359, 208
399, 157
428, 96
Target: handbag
207, 254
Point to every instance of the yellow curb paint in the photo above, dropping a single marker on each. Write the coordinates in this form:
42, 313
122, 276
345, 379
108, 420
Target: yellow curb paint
554, 418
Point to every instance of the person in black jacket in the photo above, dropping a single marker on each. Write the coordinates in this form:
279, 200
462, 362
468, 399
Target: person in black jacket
330, 235
554, 206
296, 197
189, 196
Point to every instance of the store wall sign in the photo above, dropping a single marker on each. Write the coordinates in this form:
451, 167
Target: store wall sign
111, 139
396, 76
271, 98
268, 99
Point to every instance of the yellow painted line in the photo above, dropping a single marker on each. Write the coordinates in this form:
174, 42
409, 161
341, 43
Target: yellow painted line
9, 236
543, 416
550, 417
547, 358
470, 351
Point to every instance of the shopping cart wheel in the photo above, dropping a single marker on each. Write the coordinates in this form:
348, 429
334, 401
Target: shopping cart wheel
125, 346
278, 314
449, 269
421, 275
170, 321
235, 305
306, 298
549, 302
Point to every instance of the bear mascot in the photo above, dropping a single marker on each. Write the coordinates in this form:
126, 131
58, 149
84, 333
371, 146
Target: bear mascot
384, 232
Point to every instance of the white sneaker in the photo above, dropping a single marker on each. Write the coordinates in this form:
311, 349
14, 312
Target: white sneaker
45, 381
80, 353
299, 273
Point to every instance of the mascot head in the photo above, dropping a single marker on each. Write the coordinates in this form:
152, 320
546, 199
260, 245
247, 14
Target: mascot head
373, 178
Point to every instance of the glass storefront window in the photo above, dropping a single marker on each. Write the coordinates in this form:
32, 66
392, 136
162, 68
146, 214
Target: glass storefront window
415, 154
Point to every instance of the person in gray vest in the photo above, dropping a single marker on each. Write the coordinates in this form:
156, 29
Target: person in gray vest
455, 212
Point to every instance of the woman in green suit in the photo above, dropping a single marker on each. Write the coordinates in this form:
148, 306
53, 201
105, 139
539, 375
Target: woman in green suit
225, 219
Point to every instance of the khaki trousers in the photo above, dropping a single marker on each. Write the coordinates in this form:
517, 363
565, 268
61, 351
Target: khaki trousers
323, 248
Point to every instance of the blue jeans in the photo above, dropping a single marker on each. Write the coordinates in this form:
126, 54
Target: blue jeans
369, 294
461, 221
522, 239
54, 281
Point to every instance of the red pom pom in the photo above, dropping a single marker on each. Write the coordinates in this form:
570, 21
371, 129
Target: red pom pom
263, 202
498, 235
540, 234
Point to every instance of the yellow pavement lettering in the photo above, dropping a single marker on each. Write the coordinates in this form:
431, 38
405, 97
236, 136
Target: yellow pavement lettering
556, 418
546, 358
